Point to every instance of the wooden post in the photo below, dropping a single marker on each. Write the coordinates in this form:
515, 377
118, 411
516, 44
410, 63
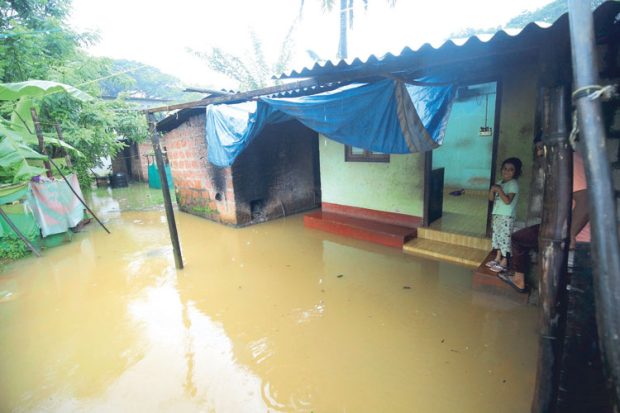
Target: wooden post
61, 139
172, 226
39, 132
553, 247
19, 233
603, 220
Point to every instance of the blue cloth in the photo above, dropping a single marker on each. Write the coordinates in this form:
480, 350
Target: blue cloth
380, 117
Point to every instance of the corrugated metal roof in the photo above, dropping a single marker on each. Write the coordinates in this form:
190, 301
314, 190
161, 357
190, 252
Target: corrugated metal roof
506, 41
427, 59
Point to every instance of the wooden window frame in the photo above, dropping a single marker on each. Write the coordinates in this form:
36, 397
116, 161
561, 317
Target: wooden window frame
367, 156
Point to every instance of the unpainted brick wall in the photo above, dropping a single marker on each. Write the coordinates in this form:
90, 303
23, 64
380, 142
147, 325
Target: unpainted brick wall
201, 188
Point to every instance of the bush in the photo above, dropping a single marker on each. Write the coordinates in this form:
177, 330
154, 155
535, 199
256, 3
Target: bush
12, 248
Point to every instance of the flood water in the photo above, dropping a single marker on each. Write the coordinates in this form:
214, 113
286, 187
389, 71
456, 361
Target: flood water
269, 318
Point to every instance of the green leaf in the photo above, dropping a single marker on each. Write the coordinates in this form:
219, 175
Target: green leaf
36, 88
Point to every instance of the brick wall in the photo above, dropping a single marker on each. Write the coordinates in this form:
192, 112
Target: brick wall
201, 188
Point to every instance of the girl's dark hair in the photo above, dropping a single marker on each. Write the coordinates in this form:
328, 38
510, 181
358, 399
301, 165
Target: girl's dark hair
516, 162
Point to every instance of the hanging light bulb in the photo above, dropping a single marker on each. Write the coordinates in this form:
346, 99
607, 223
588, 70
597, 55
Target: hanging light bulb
486, 130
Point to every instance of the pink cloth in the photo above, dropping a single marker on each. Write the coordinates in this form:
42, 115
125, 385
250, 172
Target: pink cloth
579, 184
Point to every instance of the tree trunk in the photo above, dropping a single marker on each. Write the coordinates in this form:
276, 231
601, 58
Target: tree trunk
342, 43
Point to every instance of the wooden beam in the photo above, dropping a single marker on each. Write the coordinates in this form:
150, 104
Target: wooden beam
242, 96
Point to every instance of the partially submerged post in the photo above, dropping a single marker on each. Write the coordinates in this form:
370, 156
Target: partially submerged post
553, 247
603, 218
172, 226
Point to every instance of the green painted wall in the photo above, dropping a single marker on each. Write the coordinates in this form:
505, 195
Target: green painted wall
465, 155
397, 186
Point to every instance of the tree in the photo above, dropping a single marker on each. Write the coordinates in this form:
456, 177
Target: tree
34, 38
139, 80
36, 43
548, 14
346, 19
252, 70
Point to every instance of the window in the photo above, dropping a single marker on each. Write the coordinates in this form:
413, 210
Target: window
353, 154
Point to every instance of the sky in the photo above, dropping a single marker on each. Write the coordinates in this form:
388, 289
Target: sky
160, 32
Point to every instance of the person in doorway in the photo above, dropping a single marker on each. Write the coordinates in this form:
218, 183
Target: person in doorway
526, 239
505, 195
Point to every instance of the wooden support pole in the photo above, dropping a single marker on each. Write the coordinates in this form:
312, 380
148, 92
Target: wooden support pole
172, 226
61, 139
21, 236
39, 132
77, 196
603, 219
553, 247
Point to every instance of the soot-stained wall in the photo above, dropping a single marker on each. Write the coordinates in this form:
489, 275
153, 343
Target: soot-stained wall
278, 174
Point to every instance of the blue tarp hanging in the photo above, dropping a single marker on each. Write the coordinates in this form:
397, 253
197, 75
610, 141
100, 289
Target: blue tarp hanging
381, 117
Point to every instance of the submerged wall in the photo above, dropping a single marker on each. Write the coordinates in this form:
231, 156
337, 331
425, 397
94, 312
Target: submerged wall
397, 186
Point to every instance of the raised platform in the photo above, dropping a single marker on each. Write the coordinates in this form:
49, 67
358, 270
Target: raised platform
483, 279
391, 235
464, 250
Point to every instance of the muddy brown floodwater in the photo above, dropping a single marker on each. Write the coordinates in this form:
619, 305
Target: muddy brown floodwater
269, 318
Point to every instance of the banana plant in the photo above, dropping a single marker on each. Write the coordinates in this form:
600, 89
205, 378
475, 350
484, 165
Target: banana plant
18, 134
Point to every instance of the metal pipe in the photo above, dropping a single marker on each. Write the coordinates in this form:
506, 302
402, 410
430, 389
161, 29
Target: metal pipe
172, 226
77, 196
603, 220
19, 233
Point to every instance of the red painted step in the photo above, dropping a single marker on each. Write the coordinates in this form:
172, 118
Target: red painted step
364, 229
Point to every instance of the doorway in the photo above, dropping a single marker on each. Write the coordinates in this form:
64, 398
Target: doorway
461, 171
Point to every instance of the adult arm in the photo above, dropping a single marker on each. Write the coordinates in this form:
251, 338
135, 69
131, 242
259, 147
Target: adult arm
580, 216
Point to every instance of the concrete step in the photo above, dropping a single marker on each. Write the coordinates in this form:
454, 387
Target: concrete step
480, 243
364, 229
444, 251
483, 279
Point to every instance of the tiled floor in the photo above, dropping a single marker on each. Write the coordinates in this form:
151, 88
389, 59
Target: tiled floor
465, 214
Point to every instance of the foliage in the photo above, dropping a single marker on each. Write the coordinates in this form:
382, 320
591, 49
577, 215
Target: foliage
15, 155
13, 248
35, 39
549, 13
139, 80
252, 70
346, 19
36, 43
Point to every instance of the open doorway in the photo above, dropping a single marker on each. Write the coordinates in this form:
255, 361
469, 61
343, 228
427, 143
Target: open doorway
462, 166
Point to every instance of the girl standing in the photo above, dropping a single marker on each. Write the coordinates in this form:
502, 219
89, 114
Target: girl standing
505, 195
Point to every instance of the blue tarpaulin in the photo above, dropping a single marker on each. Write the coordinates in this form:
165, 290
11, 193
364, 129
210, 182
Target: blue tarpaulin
381, 117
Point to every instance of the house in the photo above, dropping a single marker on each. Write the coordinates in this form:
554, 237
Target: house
401, 200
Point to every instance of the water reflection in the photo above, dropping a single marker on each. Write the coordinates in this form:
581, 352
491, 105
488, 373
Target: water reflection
273, 317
